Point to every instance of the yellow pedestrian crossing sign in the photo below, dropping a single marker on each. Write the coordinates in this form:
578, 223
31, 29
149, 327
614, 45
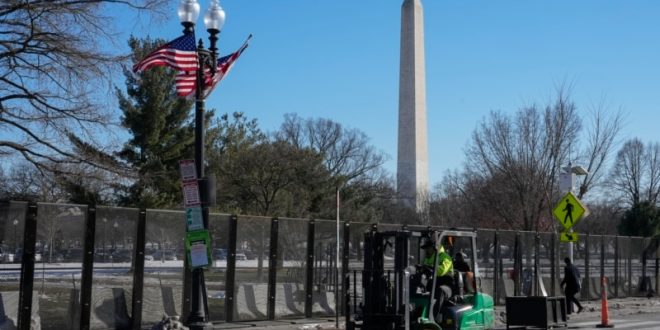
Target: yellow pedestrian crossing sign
569, 211
566, 236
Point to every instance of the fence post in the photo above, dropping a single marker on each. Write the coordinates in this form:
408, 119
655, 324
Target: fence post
344, 263
586, 266
27, 267
272, 267
138, 271
629, 265
517, 265
537, 261
602, 256
230, 280
553, 263
657, 280
309, 273
616, 266
496, 261
87, 269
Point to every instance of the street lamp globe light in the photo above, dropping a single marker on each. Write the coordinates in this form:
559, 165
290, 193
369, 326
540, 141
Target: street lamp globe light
188, 11
214, 18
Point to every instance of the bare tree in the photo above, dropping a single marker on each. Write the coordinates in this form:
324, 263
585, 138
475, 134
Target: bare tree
54, 63
636, 172
602, 132
346, 152
521, 155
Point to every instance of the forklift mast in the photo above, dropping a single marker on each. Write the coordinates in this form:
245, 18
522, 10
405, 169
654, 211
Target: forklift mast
384, 301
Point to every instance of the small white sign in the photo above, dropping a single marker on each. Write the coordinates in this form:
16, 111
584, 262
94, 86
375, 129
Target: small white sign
187, 169
198, 255
191, 194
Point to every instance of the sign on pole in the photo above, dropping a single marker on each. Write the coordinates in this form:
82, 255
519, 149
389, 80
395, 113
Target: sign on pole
187, 169
568, 236
194, 220
198, 248
191, 194
569, 211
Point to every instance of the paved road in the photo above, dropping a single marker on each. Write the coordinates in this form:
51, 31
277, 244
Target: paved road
645, 321
636, 321
629, 313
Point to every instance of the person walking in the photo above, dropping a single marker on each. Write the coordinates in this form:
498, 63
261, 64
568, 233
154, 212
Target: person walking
571, 286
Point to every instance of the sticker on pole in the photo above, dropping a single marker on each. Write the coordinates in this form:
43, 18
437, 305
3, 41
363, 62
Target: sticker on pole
198, 249
569, 211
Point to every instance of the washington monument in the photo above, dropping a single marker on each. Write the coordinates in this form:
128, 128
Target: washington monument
412, 164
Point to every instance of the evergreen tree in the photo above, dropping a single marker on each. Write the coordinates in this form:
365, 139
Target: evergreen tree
640, 220
162, 130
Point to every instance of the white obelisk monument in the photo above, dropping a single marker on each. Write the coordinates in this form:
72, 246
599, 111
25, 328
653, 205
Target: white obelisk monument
412, 163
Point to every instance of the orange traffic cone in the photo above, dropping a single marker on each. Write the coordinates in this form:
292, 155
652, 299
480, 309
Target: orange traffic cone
604, 312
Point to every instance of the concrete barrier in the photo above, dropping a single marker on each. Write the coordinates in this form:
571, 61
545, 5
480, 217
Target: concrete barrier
251, 302
160, 301
9, 310
323, 303
592, 291
547, 283
611, 289
109, 310
290, 300
487, 287
506, 288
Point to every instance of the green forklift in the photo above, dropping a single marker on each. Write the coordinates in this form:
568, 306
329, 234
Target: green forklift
399, 292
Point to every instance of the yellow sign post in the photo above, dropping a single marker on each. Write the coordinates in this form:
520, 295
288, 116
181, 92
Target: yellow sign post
569, 211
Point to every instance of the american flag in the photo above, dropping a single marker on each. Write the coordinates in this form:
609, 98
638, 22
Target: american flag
186, 80
179, 54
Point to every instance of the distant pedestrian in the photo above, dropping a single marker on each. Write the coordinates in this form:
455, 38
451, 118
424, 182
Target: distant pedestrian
571, 286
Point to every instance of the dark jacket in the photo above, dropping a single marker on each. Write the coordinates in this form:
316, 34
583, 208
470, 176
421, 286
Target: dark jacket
571, 278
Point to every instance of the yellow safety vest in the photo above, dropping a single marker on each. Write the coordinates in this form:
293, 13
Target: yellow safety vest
445, 264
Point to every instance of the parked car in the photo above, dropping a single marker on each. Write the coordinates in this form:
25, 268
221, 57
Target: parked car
122, 256
164, 255
5, 255
53, 256
240, 257
18, 255
73, 255
219, 254
249, 254
102, 256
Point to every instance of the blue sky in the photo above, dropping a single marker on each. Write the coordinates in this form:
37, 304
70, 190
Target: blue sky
340, 60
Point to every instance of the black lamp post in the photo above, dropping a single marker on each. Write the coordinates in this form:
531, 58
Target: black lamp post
214, 19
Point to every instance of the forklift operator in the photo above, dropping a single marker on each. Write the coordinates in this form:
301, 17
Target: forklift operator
444, 271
